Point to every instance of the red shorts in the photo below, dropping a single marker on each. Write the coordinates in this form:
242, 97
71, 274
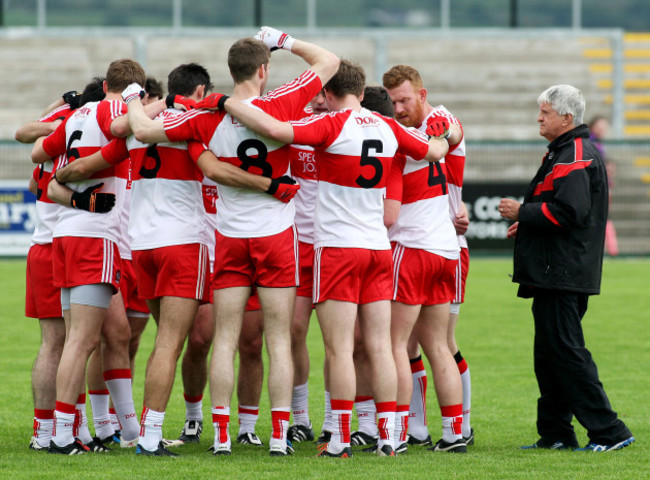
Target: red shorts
356, 275
42, 299
253, 303
174, 271
85, 261
270, 262
421, 277
129, 289
460, 275
306, 287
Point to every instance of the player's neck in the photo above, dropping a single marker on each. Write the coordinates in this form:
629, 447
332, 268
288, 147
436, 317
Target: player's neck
245, 90
113, 96
427, 110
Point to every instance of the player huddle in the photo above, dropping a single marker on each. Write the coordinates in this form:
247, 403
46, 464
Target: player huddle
230, 219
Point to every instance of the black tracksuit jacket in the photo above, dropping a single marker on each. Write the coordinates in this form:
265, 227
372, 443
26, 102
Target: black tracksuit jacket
561, 233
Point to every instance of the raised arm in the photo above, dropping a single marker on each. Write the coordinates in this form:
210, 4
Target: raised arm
322, 62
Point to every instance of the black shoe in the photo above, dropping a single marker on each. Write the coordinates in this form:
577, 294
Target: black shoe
249, 438
300, 433
74, 448
386, 451
96, 445
469, 440
401, 448
325, 437
459, 446
362, 438
345, 453
222, 450
191, 432
161, 451
422, 443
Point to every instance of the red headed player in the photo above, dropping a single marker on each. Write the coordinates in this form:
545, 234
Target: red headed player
255, 233
405, 87
352, 265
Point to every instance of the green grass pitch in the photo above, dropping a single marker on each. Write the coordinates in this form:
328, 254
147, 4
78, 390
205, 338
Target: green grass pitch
495, 336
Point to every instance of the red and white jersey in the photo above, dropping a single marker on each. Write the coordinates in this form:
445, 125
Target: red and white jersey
82, 134
124, 243
47, 211
455, 162
210, 195
304, 171
423, 222
354, 153
244, 213
166, 199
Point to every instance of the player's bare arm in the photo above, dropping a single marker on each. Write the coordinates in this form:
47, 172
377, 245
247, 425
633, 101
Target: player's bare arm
82, 168
322, 62
144, 128
121, 127
39, 155
391, 211
59, 193
438, 148
33, 186
284, 189
30, 131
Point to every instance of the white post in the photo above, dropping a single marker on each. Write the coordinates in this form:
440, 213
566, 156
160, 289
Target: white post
444, 14
576, 14
177, 14
311, 14
41, 14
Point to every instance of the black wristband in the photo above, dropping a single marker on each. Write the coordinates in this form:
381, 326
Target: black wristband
169, 100
57, 179
221, 105
273, 187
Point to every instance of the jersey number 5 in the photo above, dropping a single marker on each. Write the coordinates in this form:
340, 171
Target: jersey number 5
152, 152
374, 162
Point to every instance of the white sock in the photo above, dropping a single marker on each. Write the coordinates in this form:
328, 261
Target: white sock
418, 408
366, 415
151, 429
452, 422
83, 433
64, 423
467, 392
341, 420
221, 420
248, 415
300, 404
43, 425
193, 407
280, 425
401, 424
328, 424
118, 382
101, 418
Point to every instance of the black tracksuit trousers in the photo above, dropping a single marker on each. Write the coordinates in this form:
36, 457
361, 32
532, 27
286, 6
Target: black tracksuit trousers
567, 375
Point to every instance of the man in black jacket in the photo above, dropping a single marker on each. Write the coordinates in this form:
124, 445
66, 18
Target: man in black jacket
560, 234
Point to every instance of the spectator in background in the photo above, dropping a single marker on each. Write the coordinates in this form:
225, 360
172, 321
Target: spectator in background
560, 233
599, 126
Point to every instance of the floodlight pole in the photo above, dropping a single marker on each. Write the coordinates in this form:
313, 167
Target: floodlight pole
513, 14
258, 13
